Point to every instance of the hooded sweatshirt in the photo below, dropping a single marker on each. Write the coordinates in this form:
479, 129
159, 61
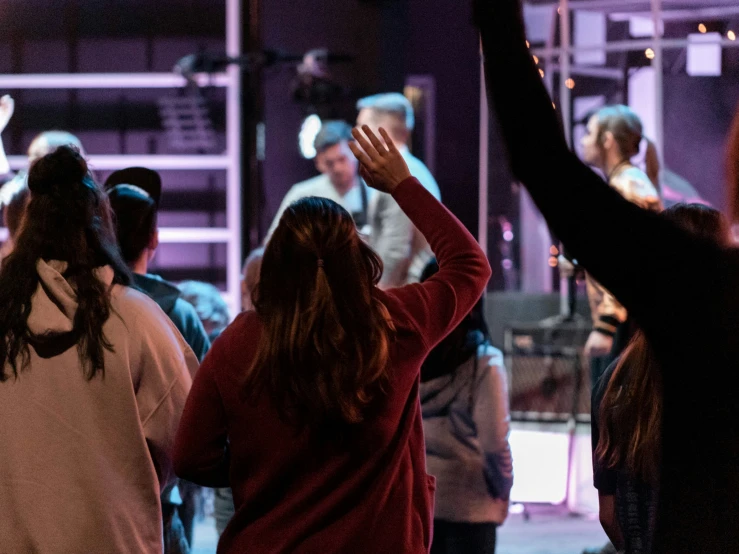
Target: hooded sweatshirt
466, 424
83, 462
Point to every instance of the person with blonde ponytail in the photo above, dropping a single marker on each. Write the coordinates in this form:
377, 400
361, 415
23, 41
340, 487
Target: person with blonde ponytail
614, 137
308, 406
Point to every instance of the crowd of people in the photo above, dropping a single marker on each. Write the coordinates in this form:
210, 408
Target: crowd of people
356, 404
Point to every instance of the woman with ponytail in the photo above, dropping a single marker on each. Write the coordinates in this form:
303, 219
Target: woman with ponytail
93, 378
308, 406
614, 137
627, 418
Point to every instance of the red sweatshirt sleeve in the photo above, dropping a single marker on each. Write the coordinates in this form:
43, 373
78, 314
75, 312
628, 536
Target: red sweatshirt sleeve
438, 305
201, 446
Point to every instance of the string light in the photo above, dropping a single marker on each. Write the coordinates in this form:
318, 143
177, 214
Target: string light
553, 250
702, 28
649, 53
731, 35
570, 83
536, 58
541, 72
528, 44
553, 262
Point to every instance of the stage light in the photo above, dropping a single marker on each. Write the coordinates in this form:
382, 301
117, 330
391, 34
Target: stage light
307, 136
731, 35
541, 72
649, 53
702, 28
570, 83
508, 236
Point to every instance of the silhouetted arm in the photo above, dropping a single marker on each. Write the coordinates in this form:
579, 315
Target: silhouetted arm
642, 259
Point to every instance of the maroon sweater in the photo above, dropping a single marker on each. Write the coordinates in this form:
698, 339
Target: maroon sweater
368, 492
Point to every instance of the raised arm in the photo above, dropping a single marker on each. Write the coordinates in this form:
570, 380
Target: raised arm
643, 260
438, 305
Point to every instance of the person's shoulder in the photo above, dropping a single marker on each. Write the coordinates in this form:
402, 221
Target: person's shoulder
135, 308
246, 325
634, 185
310, 187
490, 355
419, 170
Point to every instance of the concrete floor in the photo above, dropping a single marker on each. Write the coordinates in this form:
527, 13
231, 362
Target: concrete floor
546, 532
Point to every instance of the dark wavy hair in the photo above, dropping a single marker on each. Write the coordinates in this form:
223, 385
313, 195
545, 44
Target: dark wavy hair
631, 410
68, 218
324, 349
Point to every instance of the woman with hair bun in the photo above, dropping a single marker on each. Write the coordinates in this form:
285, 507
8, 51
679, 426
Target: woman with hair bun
93, 378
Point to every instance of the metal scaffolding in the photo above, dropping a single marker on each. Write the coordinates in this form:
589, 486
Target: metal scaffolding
557, 53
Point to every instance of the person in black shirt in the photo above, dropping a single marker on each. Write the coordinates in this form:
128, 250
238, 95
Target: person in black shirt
626, 419
646, 264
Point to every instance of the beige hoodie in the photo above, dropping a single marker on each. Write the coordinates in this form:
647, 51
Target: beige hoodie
82, 462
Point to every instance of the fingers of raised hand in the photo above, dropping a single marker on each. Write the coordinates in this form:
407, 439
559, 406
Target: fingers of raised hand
390, 144
365, 145
360, 154
377, 143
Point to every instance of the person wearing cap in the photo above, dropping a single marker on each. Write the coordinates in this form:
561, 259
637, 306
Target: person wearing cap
134, 195
394, 112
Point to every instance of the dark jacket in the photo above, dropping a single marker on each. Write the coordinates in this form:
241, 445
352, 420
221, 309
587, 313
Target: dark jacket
182, 314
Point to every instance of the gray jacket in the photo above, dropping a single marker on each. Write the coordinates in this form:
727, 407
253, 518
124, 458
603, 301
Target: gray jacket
466, 424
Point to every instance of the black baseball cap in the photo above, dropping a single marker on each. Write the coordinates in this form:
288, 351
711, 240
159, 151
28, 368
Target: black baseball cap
142, 177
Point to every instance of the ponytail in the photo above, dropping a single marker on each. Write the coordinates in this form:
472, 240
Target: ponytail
651, 159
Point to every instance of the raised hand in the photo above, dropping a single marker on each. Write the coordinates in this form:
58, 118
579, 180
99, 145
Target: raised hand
7, 107
382, 165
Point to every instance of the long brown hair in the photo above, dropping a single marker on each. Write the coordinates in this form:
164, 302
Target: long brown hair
628, 132
631, 410
68, 218
323, 353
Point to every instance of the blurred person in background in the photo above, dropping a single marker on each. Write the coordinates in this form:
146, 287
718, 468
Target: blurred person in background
394, 112
377, 216
14, 193
464, 400
209, 305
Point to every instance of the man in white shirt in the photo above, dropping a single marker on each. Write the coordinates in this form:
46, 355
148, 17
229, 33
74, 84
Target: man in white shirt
376, 214
394, 113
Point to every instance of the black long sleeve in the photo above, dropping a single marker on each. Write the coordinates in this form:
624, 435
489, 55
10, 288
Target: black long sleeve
680, 289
